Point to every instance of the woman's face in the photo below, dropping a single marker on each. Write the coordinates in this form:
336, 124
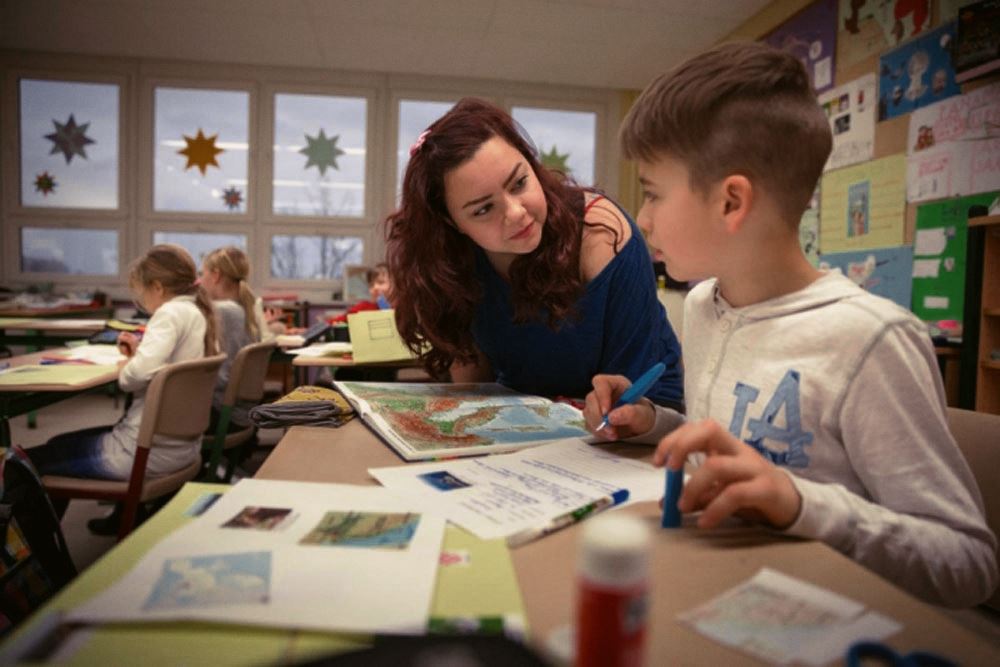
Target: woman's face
495, 199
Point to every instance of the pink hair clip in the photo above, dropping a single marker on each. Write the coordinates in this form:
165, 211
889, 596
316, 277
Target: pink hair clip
419, 142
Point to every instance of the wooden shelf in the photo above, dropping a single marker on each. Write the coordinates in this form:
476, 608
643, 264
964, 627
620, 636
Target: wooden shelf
991, 312
984, 220
992, 365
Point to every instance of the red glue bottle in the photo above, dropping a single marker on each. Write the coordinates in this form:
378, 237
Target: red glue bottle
612, 592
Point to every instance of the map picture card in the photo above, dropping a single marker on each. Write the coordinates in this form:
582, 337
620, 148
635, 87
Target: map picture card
302, 555
850, 110
863, 206
424, 421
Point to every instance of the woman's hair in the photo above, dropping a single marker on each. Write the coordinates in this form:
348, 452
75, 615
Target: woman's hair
434, 265
172, 267
234, 267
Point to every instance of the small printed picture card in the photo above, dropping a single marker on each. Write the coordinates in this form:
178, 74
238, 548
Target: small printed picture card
211, 581
260, 518
364, 529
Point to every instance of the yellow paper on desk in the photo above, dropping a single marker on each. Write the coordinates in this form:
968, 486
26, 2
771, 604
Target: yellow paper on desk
62, 374
374, 337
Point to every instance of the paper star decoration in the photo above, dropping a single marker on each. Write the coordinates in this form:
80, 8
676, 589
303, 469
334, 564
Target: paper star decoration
555, 160
322, 152
69, 138
232, 197
45, 183
200, 151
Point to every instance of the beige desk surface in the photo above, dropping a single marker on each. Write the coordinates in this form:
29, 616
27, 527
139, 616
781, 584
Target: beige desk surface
690, 566
339, 361
36, 357
69, 324
72, 311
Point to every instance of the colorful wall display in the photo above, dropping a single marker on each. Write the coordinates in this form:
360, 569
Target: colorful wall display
851, 111
863, 206
882, 271
811, 37
917, 73
868, 27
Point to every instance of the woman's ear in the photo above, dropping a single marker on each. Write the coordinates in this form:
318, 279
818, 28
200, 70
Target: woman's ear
736, 193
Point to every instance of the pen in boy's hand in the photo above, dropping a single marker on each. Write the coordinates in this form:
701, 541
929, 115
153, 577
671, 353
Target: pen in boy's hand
636, 391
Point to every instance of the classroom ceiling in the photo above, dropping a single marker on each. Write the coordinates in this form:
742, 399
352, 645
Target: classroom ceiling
618, 44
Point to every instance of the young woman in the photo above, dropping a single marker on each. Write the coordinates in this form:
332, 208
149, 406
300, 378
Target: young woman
181, 328
512, 273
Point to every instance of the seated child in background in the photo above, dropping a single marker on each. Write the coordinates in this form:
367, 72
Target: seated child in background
379, 286
224, 276
181, 328
815, 407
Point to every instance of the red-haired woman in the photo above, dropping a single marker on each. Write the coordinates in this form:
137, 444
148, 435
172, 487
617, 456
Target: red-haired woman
515, 274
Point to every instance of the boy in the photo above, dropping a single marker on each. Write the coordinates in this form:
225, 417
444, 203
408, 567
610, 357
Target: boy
815, 408
379, 287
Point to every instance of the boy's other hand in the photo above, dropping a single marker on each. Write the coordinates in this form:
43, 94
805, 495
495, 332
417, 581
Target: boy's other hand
623, 422
127, 343
734, 479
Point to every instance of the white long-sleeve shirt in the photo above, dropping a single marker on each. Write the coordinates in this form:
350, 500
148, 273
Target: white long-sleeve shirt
175, 332
840, 388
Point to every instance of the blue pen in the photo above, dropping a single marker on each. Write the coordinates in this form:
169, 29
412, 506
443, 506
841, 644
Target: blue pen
636, 391
675, 484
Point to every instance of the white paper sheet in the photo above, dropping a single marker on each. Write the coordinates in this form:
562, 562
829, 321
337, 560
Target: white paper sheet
930, 241
313, 586
780, 619
107, 355
850, 109
497, 496
322, 349
926, 268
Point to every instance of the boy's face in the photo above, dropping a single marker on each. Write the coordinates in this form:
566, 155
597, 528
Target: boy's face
379, 286
677, 220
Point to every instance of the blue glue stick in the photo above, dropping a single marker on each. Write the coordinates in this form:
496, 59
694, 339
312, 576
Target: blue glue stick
675, 484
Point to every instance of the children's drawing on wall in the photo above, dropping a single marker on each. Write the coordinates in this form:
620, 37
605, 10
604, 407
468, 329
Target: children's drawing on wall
918, 73
850, 109
882, 271
809, 229
858, 195
868, 27
810, 35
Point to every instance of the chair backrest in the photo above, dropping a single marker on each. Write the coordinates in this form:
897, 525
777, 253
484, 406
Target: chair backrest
179, 399
247, 374
978, 436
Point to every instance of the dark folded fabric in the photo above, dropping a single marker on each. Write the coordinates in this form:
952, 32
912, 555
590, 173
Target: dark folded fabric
295, 413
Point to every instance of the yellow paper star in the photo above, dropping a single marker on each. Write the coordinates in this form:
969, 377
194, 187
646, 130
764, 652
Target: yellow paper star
200, 151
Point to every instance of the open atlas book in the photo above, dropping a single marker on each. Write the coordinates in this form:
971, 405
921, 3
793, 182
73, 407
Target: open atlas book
430, 421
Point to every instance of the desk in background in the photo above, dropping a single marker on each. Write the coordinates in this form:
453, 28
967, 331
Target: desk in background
39, 332
689, 566
20, 399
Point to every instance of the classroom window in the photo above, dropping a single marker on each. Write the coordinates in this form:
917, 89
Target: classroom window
69, 144
71, 251
313, 257
566, 140
319, 155
201, 150
198, 244
415, 116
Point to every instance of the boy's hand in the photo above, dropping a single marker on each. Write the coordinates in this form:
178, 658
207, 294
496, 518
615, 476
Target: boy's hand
734, 479
623, 422
127, 343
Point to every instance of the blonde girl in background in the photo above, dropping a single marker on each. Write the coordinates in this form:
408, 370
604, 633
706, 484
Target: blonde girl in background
181, 328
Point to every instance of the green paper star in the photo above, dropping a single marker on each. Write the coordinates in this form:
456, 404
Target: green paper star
69, 138
322, 152
555, 160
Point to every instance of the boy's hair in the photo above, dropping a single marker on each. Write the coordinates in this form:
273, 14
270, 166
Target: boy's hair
233, 265
172, 267
372, 274
740, 108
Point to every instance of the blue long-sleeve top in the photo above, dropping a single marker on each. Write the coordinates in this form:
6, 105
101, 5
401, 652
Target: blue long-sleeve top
620, 327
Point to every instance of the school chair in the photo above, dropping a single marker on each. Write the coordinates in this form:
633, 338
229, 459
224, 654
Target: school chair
177, 405
245, 387
978, 436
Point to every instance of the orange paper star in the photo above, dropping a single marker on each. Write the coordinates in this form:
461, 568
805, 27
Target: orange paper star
200, 151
